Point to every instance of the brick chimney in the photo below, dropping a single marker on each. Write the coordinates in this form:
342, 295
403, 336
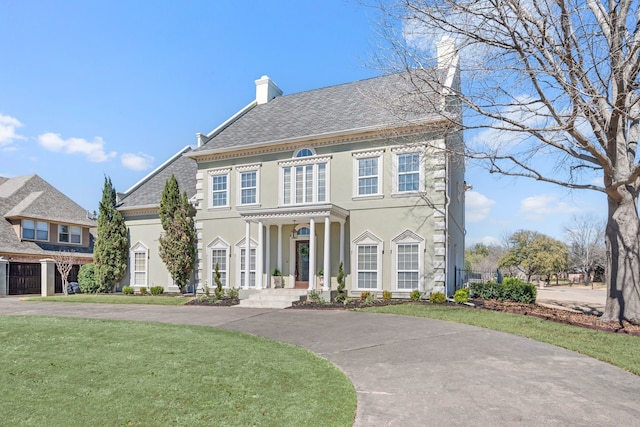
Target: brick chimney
266, 90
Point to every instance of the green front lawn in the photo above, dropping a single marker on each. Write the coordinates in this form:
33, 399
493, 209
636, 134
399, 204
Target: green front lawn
621, 350
62, 372
115, 299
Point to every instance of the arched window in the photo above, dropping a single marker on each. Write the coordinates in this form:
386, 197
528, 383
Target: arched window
304, 231
304, 152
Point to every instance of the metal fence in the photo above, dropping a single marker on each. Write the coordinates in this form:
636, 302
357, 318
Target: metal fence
466, 277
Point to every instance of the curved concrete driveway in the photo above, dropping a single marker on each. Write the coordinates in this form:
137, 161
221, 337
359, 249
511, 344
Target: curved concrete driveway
409, 371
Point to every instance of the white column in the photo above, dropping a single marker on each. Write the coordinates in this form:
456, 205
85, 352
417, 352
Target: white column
259, 256
279, 253
267, 256
247, 254
342, 244
312, 254
327, 258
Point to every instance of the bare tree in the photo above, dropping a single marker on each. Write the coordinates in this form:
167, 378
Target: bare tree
65, 260
585, 236
553, 90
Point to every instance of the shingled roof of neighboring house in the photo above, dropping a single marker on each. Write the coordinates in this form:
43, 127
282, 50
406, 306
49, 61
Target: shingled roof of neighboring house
32, 197
376, 103
148, 191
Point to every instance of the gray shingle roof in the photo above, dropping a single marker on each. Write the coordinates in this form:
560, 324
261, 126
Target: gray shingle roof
32, 197
365, 104
149, 191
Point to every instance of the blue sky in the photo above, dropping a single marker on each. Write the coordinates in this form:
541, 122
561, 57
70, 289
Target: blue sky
95, 88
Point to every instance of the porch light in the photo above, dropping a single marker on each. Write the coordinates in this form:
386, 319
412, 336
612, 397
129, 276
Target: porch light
294, 234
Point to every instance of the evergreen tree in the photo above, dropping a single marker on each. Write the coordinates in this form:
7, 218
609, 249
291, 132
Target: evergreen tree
112, 245
178, 242
169, 202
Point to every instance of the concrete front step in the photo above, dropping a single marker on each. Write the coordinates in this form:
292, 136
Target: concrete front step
272, 298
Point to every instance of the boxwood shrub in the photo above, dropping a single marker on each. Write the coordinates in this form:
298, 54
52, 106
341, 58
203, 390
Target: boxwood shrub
511, 289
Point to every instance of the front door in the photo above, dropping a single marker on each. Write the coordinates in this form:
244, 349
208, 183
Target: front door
302, 264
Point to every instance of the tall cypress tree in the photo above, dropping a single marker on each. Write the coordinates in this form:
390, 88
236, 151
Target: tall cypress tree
112, 245
169, 202
178, 242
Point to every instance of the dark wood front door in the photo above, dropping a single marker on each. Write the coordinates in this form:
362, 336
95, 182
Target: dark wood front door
302, 264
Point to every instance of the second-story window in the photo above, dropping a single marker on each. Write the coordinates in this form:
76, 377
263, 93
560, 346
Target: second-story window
35, 230
305, 179
249, 179
69, 234
219, 188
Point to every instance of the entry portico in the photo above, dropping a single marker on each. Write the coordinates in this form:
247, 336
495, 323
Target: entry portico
303, 242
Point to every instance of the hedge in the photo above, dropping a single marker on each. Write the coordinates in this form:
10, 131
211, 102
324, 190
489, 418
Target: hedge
510, 290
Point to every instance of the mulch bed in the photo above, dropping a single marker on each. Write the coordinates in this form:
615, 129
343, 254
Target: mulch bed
224, 302
536, 310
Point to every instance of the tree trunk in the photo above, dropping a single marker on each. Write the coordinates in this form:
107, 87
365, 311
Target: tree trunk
623, 258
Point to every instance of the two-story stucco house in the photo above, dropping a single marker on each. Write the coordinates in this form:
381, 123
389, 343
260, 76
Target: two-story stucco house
37, 222
349, 174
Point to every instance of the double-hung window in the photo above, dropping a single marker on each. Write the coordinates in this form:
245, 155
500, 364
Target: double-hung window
305, 179
219, 188
367, 261
218, 251
249, 179
35, 230
408, 171
139, 256
368, 173
69, 234
408, 249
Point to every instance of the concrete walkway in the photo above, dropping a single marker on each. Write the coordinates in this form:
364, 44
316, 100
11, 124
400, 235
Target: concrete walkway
418, 372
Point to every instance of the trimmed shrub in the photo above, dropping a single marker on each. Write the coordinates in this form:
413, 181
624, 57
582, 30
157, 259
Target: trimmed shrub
387, 295
143, 291
127, 290
87, 279
511, 289
233, 293
415, 295
156, 290
461, 296
437, 298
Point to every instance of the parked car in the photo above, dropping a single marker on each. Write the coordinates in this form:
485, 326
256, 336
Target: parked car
73, 288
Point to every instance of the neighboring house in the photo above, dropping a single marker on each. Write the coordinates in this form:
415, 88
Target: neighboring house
37, 222
300, 183
139, 206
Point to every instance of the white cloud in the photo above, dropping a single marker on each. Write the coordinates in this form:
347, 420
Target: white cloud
136, 162
536, 208
486, 240
93, 151
477, 206
8, 135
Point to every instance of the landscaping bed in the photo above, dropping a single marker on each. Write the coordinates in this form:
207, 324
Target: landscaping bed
210, 301
536, 310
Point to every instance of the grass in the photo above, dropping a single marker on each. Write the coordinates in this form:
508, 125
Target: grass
621, 350
114, 299
64, 372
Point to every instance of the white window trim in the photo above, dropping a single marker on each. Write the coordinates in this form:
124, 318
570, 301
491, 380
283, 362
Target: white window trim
243, 169
238, 255
139, 247
366, 239
305, 161
219, 172
397, 152
217, 244
360, 155
408, 237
